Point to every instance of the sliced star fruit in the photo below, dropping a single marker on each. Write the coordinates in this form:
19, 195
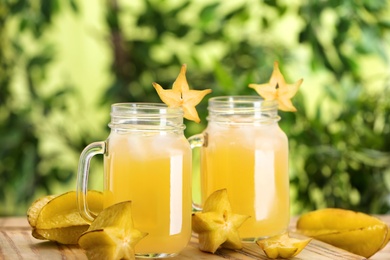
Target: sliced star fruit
278, 89
181, 96
282, 246
217, 225
355, 232
112, 234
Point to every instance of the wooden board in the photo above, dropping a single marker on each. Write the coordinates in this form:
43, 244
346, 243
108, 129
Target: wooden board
16, 242
19, 244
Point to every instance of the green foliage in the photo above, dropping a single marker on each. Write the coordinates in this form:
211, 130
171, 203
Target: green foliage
344, 154
25, 169
345, 158
163, 36
339, 143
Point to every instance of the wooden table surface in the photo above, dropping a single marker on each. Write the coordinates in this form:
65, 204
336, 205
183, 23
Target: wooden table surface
16, 242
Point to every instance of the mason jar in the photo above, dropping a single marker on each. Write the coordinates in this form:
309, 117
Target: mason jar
244, 150
147, 160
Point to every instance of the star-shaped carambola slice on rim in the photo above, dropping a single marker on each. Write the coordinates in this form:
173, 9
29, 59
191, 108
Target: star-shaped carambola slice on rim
181, 96
278, 89
217, 225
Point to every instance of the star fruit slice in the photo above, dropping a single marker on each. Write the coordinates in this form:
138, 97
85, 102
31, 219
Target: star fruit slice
217, 225
182, 96
355, 232
112, 234
278, 89
282, 246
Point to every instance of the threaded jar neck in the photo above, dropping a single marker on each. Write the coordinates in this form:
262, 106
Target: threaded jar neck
242, 110
146, 117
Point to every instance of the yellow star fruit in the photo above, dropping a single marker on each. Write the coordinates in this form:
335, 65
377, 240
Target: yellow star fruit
181, 96
217, 225
278, 89
56, 217
112, 234
355, 232
282, 246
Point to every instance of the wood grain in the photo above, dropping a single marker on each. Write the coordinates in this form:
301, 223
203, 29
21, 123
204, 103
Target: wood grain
16, 242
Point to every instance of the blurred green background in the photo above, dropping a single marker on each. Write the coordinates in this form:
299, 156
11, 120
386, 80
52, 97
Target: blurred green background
62, 63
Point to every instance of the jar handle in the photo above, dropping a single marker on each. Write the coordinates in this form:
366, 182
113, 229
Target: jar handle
82, 178
197, 141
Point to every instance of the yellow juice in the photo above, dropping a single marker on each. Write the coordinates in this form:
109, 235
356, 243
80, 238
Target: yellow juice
154, 172
251, 162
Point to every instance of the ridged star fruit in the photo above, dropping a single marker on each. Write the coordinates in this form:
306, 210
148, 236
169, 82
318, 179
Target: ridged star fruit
282, 246
356, 232
217, 225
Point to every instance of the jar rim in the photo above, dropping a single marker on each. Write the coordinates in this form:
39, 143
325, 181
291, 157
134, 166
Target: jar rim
242, 109
244, 102
146, 108
146, 116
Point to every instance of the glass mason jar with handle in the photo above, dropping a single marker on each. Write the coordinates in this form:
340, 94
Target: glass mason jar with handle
147, 160
244, 150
